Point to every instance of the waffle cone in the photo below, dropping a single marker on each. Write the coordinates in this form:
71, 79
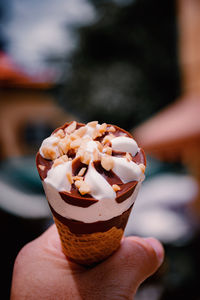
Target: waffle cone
88, 249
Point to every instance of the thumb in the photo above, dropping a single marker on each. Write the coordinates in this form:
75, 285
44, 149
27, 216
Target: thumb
136, 260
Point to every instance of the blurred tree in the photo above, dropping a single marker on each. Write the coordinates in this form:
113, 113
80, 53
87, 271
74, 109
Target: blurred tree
125, 67
3, 16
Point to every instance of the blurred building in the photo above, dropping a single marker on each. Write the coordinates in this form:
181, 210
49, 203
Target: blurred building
28, 111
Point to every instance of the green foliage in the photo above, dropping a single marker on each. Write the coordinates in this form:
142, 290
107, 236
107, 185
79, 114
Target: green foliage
125, 67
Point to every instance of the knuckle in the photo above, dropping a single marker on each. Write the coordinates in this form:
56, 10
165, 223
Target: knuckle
144, 255
24, 255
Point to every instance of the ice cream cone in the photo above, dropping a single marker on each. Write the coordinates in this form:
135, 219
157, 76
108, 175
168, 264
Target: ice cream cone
91, 176
87, 249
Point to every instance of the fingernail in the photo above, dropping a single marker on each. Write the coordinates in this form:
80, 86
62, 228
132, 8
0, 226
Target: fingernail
157, 246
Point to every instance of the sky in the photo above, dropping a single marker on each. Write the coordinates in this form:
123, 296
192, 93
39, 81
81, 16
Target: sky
35, 29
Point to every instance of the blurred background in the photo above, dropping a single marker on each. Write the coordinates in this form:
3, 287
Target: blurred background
133, 63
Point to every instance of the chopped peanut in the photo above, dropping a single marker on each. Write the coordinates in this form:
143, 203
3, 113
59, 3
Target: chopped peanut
107, 139
69, 177
77, 178
85, 158
92, 124
116, 187
78, 183
55, 143
49, 153
60, 160
75, 144
111, 129
73, 136
99, 146
96, 134
60, 133
102, 128
57, 162
84, 142
42, 168
64, 145
81, 131
81, 172
80, 152
95, 155
84, 188
107, 162
108, 150
71, 128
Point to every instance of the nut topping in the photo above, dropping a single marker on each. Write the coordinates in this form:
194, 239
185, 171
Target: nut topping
81, 172
107, 150
95, 155
71, 128
84, 188
107, 139
42, 168
75, 144
107, 162
64, 145
92, 124
49, 152
85, 158
116, 187
60, 133
111, 129
81, 131
78, 183
102, 128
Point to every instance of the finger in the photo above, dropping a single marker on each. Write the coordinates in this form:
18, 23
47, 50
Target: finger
124, 271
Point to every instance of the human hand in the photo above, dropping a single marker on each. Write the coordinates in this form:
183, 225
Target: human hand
41, 270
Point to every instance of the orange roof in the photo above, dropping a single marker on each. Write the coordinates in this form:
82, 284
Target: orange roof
11, 75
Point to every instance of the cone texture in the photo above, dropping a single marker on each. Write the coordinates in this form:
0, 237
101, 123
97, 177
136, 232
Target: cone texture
87, 249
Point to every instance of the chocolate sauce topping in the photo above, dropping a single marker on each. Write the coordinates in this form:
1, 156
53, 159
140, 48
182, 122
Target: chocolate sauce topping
77, 165
78, 227
110, 176
41, 161
74, 198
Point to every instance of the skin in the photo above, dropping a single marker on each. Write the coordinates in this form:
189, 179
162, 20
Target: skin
41, 270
